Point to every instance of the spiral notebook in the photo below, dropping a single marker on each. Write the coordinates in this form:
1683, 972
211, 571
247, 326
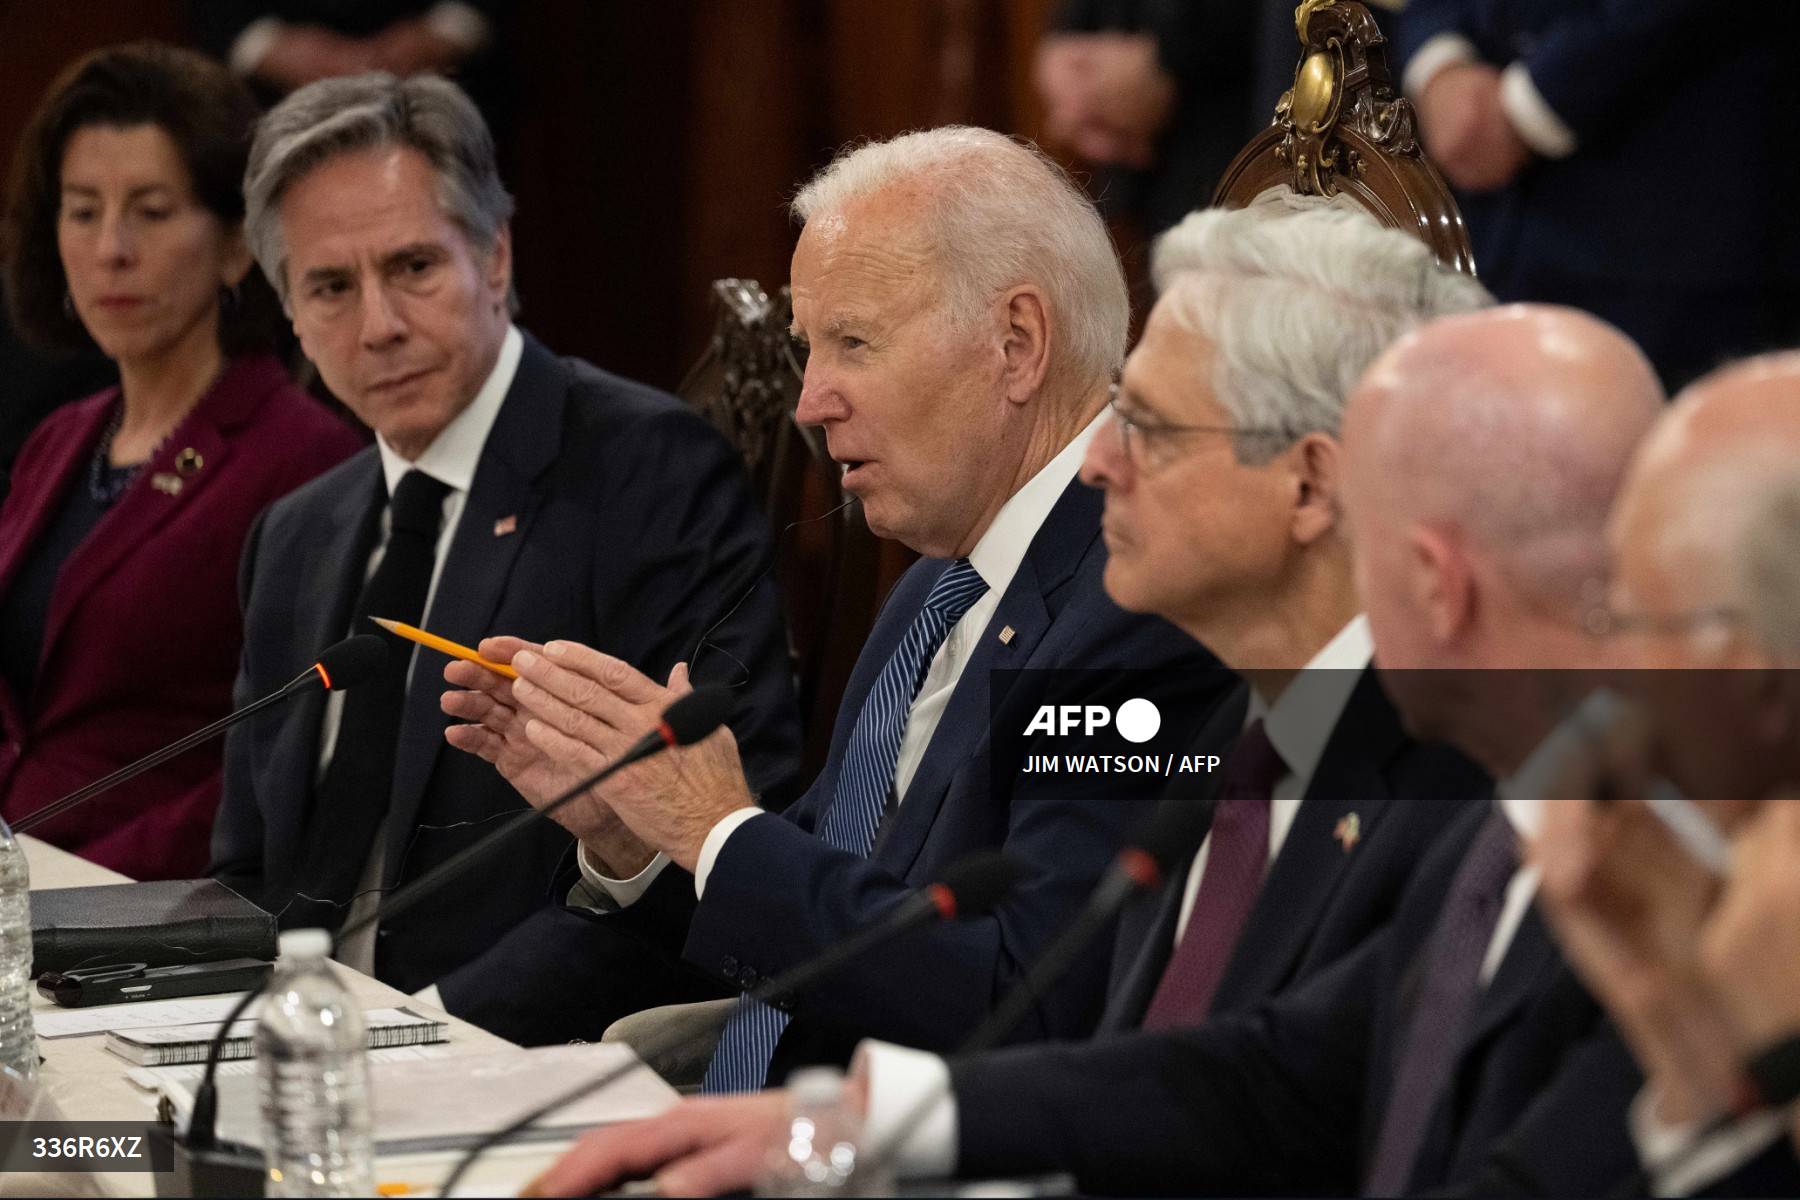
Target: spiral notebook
166, 1045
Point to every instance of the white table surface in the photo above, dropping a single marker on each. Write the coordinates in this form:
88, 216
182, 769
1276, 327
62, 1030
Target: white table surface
88, 1083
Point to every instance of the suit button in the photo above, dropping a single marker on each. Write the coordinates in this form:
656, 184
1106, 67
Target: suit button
749, 979
729, 967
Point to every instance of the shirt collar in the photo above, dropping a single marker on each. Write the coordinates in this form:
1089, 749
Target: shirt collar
1303, 718
456, 450
1000, 550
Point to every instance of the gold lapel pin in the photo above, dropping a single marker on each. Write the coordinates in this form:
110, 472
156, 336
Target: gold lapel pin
189, 462
1006, 636
506, 525
167, 483
1348, 832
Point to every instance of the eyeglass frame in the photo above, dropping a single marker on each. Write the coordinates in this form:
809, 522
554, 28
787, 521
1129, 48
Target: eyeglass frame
1128, 427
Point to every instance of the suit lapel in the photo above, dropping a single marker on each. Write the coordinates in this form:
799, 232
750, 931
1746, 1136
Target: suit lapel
1313, 858
525, 440
1148, 932
1057, 548
1529, 960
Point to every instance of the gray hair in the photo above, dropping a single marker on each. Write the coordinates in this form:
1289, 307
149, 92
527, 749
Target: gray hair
1298, 295
999, 213
332, 117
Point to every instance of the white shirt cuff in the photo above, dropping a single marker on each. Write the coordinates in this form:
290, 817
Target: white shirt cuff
1438, 53
902, 1080
624, 892
460, 24
1537, 124
715, 843
1679, 1167
253, 45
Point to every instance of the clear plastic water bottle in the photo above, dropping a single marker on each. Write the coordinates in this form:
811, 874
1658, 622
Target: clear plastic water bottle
816, 1155
312, 1062
18, 1042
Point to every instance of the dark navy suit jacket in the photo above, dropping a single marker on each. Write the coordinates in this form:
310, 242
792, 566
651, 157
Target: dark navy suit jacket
778, 895
1673, 209
1289, 1096
1329, 889
601, 511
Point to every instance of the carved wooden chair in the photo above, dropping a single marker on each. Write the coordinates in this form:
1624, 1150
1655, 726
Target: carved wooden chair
748, 383
1345, 129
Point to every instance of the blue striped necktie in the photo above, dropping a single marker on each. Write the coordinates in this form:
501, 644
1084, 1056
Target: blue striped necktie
747, 1045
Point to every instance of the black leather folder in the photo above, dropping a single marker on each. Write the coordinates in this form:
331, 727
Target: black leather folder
163, 923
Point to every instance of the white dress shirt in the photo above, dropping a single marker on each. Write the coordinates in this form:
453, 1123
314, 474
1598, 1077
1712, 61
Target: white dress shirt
1537, 124
996, 558
1299, 726
451, 459
901, 1078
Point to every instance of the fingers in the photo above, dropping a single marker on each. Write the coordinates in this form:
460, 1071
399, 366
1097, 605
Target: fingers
476, 740
479, 679
678, 679
611, 1155
731, 1166
503, 649
614, 674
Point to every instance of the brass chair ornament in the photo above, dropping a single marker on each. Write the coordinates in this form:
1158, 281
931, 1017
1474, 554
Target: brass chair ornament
1344, 129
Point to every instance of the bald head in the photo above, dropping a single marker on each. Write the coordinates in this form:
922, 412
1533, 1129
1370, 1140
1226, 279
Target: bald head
1714, 468
1513, 427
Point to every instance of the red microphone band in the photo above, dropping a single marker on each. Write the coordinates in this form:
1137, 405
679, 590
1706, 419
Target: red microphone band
324, 675
943, 899
666, 733
1140, 867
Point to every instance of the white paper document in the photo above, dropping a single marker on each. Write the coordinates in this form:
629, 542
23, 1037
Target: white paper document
104, 1018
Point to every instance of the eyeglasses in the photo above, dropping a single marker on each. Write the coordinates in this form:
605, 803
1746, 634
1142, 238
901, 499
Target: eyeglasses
1149, 444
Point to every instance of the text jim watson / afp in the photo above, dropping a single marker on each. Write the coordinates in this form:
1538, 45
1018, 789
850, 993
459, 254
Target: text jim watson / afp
1120, 764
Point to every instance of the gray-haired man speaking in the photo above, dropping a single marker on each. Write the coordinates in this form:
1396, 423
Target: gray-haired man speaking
508, 489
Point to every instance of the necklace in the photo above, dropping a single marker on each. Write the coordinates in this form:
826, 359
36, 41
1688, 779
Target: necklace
105, 482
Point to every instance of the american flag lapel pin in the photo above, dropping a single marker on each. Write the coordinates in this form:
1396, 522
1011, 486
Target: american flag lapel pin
505, 525
1348, 832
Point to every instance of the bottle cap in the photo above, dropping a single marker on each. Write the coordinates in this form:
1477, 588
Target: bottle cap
815, 1085
305, 943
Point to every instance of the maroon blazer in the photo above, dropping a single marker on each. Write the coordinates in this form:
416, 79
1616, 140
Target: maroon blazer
142, 637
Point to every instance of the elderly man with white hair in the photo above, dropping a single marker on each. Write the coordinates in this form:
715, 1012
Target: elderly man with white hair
1452, 1050
966, 314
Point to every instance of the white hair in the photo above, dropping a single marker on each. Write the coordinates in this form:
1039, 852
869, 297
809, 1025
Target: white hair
999, 213
1298, 295
1768, 568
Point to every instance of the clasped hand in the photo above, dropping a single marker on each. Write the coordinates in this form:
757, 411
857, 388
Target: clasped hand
573, 710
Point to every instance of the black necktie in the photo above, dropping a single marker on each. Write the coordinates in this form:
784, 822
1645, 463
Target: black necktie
352, 798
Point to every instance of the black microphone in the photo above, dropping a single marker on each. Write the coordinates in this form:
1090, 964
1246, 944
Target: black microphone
345, 665
687, 720
970, 887
1170, 836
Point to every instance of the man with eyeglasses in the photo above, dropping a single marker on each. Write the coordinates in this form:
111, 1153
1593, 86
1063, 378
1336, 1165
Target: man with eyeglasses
1452, 1051
1703, 600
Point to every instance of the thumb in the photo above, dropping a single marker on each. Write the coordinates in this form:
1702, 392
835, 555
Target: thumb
678, 679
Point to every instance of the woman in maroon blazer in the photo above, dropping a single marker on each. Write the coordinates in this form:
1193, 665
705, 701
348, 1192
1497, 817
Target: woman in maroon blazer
119, 542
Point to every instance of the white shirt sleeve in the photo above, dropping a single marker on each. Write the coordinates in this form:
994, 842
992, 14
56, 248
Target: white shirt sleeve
715, 843
1537, 124
900, 1081
253, 45
1438, 53
1677, 1165
624, 892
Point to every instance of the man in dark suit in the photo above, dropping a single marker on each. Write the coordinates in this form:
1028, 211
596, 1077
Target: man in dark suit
1612, 156
508, 489
962, 340
1451, 1051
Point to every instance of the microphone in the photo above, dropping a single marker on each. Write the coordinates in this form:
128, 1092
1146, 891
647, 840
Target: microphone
345, 665
1170, 836
970, 887
687, 720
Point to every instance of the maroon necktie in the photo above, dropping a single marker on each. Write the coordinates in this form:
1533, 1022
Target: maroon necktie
1236, 861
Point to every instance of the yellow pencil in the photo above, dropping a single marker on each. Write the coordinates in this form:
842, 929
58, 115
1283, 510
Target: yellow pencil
434, 642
